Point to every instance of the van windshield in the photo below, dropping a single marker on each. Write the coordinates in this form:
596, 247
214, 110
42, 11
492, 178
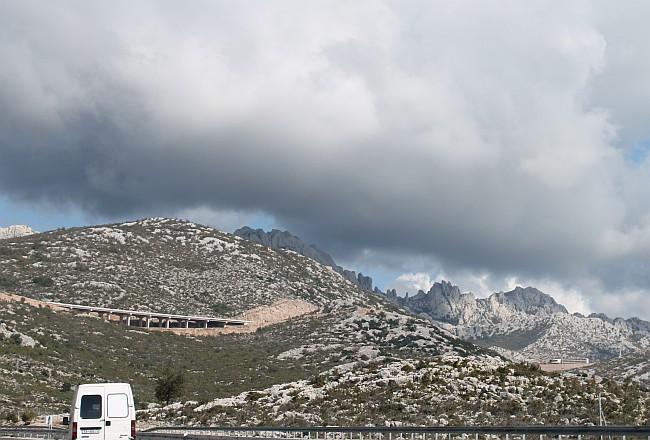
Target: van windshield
91, 406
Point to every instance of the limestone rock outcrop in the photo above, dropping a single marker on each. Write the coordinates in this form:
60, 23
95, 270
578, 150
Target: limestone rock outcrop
15, 231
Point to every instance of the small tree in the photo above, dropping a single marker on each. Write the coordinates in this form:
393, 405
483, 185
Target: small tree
169, 385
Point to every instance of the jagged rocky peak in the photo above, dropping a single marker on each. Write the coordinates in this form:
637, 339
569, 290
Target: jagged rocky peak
527, 324
15, 231
529, 300
285, 240
451, 304
443, 302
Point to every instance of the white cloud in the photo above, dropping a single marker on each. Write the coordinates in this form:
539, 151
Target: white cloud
491, 139
411, 283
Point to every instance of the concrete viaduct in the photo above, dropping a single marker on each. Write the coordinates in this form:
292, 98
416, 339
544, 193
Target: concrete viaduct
152, 319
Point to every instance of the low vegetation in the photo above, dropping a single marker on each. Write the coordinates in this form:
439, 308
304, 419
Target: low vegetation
355, 360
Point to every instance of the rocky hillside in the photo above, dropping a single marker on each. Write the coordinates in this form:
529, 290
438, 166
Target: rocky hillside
349, 357
524, 324
167, 266
284, 240
527, 324
174, 266
631, 367
440, 391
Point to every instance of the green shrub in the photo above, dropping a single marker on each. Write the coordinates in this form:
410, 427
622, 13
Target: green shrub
43, 281
27, 416
11, 417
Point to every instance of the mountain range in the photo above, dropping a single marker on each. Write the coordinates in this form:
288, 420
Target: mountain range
15, 231
524, 324
319, 350
277, 239
306, 317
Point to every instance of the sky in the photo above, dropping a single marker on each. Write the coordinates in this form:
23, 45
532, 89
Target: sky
490, 144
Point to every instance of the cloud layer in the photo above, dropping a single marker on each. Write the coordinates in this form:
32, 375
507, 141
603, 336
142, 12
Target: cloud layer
494, 140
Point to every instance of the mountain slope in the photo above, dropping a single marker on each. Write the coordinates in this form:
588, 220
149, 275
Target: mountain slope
527, 324
284, 240
172, 266
630, 367
166, 265
351, 358
446, 390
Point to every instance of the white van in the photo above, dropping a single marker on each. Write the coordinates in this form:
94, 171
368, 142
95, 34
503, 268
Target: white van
102, 411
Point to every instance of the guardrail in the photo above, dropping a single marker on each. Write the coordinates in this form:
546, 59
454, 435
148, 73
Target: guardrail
33, 432
358, 433
397, 433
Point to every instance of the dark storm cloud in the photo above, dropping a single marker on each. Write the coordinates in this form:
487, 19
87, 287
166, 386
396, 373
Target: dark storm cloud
478, 137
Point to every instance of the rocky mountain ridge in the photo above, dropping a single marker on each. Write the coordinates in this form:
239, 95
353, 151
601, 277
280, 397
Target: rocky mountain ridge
15, 231
353, 357
166, 265
277, 239
527, 324
172, 266
524, 324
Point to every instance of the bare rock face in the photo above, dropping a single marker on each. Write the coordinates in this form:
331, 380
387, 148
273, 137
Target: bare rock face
15, 231
528, 300
444, 302
527, 324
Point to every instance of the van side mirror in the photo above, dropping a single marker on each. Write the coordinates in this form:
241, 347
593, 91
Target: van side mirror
66, 420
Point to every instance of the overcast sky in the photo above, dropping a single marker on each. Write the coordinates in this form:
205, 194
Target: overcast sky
491, 144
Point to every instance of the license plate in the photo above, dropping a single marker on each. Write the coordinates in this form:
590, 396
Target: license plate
90, 431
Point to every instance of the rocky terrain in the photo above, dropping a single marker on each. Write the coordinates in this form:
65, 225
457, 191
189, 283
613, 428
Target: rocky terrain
439, 391
174, 266
632, 367
285, 240
526, 324
167, 266
15, 231
323, 351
